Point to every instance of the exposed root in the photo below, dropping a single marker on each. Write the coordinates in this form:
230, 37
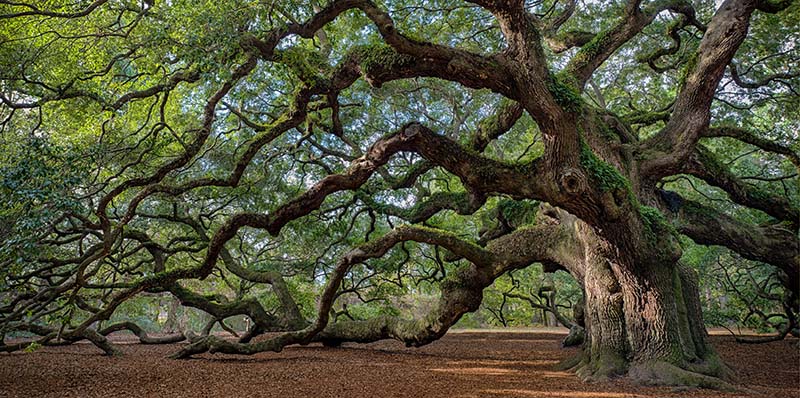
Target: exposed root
601, 368
660, 373
713, 366
575, 337
711, 373
570, 362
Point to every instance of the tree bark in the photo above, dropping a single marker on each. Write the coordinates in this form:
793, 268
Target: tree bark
644, 319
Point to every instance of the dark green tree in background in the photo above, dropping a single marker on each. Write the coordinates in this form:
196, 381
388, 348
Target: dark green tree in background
312, 166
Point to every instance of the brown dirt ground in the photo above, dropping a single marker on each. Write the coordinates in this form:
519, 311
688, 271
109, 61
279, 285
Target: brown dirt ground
471, 364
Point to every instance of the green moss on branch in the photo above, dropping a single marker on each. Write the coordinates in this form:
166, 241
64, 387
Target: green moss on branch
565, 93
604, 175
377, 57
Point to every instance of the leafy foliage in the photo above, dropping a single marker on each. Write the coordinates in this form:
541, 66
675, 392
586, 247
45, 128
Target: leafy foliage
157, 148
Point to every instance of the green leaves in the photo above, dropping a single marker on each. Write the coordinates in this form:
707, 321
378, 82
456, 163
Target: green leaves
32, 347
37, 186
108, 111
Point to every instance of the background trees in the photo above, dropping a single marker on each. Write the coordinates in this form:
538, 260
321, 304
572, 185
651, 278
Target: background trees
355, 171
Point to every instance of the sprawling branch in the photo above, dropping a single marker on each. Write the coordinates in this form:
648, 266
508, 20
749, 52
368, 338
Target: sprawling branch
480, 174
773, 244
377, 248
48, 335
673, 31
691, 114
191, 150
144, 338
567, 40
290, 319
496, 125
460, 202
704, 165
755, 139
597, 50
422, 58
263, 322
460, 293
33, 10
764, 81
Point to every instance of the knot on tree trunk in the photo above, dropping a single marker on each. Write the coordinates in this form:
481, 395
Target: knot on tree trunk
573, 181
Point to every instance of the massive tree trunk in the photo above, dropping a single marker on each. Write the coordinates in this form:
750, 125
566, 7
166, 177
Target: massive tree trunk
642, 315
644, 320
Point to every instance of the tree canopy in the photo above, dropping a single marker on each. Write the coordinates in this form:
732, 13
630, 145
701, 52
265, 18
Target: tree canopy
313, 165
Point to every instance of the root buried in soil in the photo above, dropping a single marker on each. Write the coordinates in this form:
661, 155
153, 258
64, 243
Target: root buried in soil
472, 364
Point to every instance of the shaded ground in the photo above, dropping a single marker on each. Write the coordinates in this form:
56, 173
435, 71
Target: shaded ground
473, 364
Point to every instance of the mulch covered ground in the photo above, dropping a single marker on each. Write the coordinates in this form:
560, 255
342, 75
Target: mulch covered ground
474, 364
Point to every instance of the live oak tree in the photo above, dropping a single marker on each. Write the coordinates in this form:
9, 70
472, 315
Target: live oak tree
194, 148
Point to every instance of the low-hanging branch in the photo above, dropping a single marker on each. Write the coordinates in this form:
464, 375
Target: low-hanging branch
461, 292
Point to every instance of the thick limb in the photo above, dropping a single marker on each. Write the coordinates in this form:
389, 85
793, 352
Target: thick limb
372, 249
49, 334
461, 291
691, 113
774, 244
144, 338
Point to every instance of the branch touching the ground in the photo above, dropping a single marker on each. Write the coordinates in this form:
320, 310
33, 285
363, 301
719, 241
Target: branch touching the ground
144, 338
461, 292
49, 334
373, 249
291, 319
